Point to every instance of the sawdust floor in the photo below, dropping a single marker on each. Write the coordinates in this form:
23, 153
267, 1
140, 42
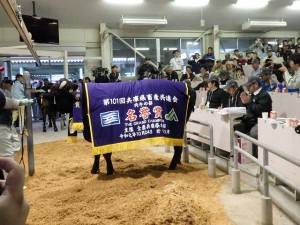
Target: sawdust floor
141, 192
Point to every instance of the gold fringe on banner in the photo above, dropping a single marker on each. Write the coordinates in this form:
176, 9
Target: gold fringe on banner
77, 126
136, 144
72, 139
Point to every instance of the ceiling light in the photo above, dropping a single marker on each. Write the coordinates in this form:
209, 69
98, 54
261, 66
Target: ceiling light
125, 2
191, 3
253, 4
142, 21
263, 25
295, 5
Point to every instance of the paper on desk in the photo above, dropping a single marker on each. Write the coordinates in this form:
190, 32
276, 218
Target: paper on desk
232, 110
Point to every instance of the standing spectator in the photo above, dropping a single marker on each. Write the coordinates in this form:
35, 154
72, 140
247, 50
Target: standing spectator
177, 63
188, 75
266, 46
114, 75
215, 95
196, 62
146, 69
256, 103
209, 57
240, 60
236, 54
257, 46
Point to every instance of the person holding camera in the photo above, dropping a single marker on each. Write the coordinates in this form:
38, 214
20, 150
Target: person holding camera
292, 81
146, 70
209, 57
257, 46
196, 62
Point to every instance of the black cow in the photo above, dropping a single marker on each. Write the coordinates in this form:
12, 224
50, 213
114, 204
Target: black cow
109, 166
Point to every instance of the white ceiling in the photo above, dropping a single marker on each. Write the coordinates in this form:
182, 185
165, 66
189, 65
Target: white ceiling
89, 13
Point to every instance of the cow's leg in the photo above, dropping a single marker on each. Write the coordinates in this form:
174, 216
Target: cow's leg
95, 168
176, 157
109, 165
49, 119
52, 117
44, 120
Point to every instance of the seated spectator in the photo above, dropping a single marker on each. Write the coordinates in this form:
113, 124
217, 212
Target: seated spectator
217, 67
146, 69
297, 49
230, 67
188, 75
233, 92
256, 103
224, 76
171, 74
292, 81
266, 82
240, 60
255, 68
285, 53
227, 58
270, 56
239, 73
215, 95
298, 43
87, 80
236, 53
203, 84
203, 70
114, 76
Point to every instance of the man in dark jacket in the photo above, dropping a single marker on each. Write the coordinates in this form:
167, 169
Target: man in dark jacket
171, 74
146, 70
257, 102
215, 96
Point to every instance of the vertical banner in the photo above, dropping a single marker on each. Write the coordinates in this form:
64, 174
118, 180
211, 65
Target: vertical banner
129, 115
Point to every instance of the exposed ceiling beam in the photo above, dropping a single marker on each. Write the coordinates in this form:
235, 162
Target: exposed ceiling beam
15, 15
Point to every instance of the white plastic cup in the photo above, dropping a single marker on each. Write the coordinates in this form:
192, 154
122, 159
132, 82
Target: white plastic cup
265, 115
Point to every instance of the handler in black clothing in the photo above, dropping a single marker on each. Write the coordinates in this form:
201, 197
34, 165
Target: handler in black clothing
256, 103
188, 75
215, 95
203, 84
233, 95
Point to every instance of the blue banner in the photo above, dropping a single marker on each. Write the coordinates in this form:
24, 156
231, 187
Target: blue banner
130, 115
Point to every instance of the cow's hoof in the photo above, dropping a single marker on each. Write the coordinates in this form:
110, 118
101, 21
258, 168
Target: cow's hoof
50, 125
173, 166
55, 129
111, 172
44, 130
94, 171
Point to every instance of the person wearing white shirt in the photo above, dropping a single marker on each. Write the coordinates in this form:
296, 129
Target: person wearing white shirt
270, 55
256, 69
292, 81
177, 63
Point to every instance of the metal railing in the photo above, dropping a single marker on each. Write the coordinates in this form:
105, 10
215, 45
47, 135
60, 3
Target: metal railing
211, 158
267, 215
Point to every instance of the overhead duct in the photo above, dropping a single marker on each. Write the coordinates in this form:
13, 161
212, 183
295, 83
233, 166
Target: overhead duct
127, 22
263, 25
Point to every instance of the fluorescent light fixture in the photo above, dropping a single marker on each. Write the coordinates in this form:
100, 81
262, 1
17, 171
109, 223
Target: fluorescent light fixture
191, 3
263, 25
142, 49
251, 4
295, 5
125, 2
143, 21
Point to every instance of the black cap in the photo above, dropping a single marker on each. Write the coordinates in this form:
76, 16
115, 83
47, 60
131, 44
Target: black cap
147, 58
236, 50
240, 55
224, 73
269, 50
219, 60
2, 100
265, 71
255, 61
252, 80
213, 78
230, 83
8, 82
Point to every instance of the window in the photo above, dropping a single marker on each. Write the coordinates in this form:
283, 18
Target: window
228, 45
147, 47
167, 46
124, 57
189, 48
